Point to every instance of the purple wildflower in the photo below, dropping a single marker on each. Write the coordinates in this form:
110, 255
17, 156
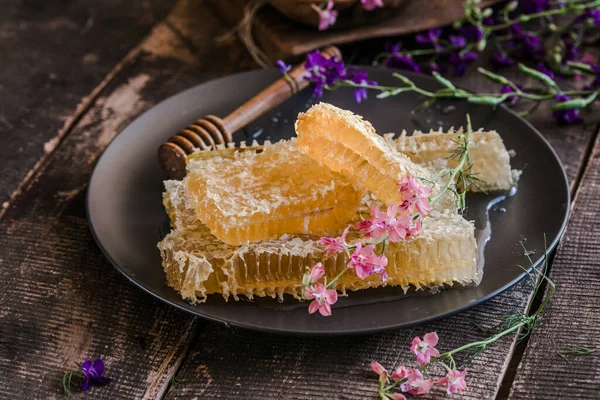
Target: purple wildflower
571, 51
596, 82
512, 100
471, 32
532, 6
432, 36
433, 67
542, 68
525, 44
501, 60
323, 71
283, 67
92, 372
460, 62
590, 14
402, 62
360, 77
371, 4
567, 116
459, 41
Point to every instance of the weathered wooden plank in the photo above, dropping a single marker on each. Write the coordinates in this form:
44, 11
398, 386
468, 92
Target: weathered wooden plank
53, 55
573, 317
59, 297
237, 364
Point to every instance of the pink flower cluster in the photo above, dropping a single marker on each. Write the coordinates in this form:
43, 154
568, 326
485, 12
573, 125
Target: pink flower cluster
322, 297
398, 223
411, 380
402, 221
397, 227
328, 16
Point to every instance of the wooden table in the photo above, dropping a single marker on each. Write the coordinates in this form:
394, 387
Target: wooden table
74, 74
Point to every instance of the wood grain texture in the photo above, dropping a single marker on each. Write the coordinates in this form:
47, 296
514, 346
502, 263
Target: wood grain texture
53, 55
280, 37
573, 316
59, 296
236, 364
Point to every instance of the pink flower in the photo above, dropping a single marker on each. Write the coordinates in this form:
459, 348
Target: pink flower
335, 244
327, 17
415, 229
314, 275
414, 196
397, 227
379, 370
398, 396
323, 299
400, 373
424, 349
362, 225
454, 381
365, 263
415, 384
371, 4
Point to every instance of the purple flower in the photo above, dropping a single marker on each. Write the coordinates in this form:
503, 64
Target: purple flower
433, 67
360, 77
92, 373
460, 62
327, 16
542, 68
591, 14
501, 60
283, 67
371, 4
323, 71
512, 100
532, 6
459, 41
471, 32
432, 36
402, 62
570, 116
571, 51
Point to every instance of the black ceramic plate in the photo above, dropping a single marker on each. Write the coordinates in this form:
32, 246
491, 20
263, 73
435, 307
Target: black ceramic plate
127, 218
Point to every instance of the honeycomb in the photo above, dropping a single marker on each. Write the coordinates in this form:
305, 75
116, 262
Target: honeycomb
348, 145
490, 159
247, 196
198, 264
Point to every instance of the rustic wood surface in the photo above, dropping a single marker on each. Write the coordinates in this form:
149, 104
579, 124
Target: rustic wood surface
54, 53
60, 299
280, 37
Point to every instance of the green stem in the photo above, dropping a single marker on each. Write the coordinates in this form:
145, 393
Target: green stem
529, 17
486, 342
459, 166
334, 280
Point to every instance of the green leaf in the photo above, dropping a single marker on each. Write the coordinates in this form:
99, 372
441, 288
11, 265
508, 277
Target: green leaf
493, 77
576, 103
545, 79
445, 82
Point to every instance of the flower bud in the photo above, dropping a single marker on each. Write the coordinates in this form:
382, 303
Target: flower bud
512, 6
306, 279
486, 13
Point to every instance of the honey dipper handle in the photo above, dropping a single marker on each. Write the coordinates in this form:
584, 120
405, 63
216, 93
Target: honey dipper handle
275, 94
212, 131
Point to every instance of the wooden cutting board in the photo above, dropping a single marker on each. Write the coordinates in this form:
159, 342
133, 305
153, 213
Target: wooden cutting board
279, 37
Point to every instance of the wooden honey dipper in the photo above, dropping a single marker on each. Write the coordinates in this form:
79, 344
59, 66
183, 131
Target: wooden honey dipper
209, 131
